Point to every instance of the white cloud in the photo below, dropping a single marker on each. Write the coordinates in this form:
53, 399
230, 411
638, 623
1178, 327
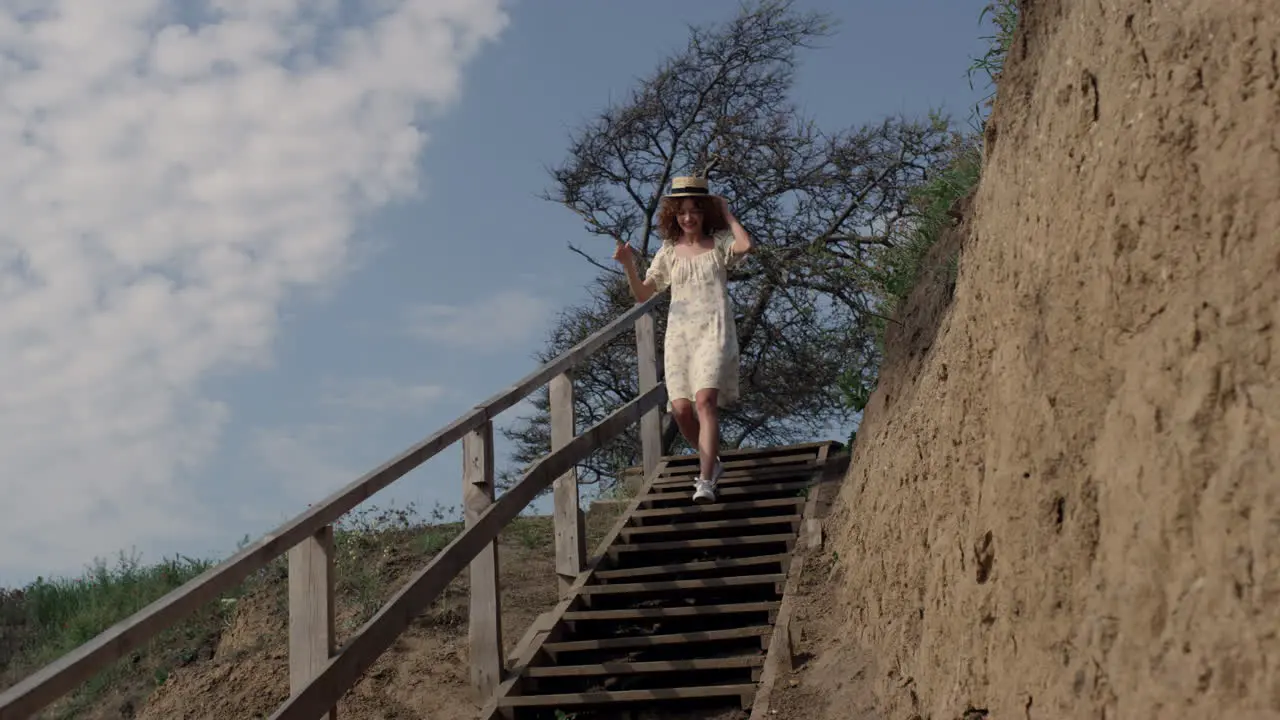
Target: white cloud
492, 323
304, 461
162, 187
381, 395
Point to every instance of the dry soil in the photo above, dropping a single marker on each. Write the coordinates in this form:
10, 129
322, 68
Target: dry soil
1065, 499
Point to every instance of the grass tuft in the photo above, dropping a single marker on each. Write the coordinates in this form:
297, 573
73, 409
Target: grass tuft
50, 617
900, 267
1004, 17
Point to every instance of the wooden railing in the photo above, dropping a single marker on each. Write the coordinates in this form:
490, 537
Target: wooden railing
319, 673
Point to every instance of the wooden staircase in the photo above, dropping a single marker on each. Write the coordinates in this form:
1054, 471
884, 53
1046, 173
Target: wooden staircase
683, 606
679, 611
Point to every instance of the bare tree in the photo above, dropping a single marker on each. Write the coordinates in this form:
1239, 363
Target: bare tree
818, 205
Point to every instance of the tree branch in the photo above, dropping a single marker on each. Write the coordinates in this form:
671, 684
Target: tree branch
593, 261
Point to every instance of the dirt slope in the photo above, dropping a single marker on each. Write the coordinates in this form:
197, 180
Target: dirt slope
425, 674
1066, 504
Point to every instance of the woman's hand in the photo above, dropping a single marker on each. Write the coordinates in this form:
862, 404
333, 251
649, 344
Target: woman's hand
724, 207
741, 238
624, 254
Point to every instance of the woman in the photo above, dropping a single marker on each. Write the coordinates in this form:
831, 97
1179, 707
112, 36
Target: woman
701, 239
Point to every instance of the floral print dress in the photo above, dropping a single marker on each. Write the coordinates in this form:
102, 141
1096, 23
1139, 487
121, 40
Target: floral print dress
700, 350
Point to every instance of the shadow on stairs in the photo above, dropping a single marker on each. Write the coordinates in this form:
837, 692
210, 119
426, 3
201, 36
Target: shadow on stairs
683, 611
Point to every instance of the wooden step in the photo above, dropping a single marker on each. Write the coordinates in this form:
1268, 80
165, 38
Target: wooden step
695, 510
742, 481
687, 461
753, 452
698, 584
671, 612
749, 522
700, 636
726, 470
697, 544
692, 467
655, 666
674, 568
744, 475
745, 481
730, 492
743, 691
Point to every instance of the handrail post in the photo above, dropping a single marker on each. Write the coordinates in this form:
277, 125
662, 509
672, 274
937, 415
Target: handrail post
651, 421
311, 639
484, 625
571, 537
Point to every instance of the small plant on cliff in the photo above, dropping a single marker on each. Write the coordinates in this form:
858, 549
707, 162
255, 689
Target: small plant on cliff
898, 266
1004, 16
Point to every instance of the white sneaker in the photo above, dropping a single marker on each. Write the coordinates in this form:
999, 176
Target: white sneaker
704, 491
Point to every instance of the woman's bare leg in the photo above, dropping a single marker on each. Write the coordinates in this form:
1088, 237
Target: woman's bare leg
687, 420
709, 422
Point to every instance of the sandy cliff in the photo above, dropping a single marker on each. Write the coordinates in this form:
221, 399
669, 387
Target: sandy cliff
1065, 500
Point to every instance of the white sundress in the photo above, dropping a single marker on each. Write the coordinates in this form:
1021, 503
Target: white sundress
700, 350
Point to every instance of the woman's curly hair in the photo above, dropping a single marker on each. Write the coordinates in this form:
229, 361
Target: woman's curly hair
713, 221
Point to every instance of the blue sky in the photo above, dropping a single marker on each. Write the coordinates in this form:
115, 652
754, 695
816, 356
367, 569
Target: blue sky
292, 286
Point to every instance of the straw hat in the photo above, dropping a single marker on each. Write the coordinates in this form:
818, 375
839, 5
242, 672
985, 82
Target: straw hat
689, 186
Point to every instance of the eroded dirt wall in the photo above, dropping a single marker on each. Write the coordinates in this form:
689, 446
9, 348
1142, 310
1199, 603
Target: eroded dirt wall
1066, 504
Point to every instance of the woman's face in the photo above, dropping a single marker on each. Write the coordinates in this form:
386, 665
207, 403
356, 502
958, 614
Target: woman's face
689, 215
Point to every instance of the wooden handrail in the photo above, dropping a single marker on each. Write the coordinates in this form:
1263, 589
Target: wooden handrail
570, 359
61, 676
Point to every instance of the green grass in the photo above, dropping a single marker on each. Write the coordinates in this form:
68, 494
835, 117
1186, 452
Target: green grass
65, 613
531, 532
369, 543
51, 617
898, 268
